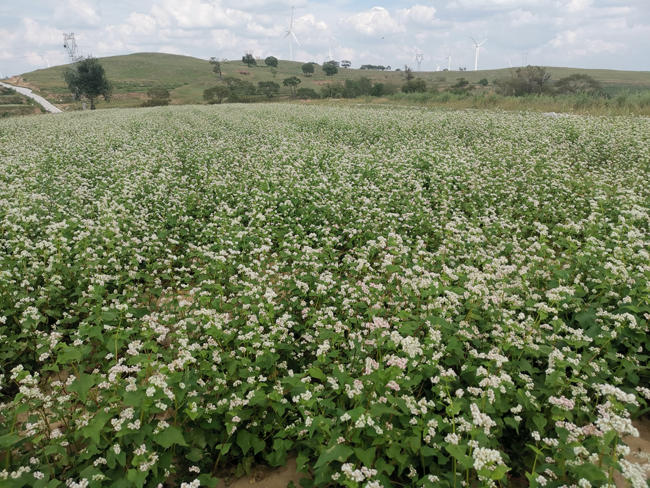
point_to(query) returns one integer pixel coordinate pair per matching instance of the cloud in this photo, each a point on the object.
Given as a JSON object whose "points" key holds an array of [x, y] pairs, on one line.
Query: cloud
{"points": [[77, 13], [193, 14], [371, 22], [571, 44], [418, 15], [575, 5]]}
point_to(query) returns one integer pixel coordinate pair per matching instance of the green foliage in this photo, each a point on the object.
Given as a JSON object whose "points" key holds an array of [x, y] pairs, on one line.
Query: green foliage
{"points": [[330, 68], [461, 87], [86, 79], [268, 88], [417, 85], [271, 61], [216, 94], [386, 294], [217, 64], [332, 90], [483, 82], [274, 72], [156, 102], [526, 81], [158, 93], [578, 83], [249, 60], [308, 69], [307, 93], [292, 82]]}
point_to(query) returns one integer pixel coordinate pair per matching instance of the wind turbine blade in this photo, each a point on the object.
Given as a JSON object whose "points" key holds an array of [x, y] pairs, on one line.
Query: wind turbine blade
{"points": [[294, 36], [482, 43], [288, 33], [472, 39], [291, 25]]}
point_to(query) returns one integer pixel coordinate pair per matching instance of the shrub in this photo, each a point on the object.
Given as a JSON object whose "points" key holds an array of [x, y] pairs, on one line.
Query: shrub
{"points": [[307, 93]]}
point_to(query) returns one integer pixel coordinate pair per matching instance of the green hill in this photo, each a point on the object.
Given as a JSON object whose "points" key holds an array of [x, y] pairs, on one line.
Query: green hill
{"points": [[186, 77]]}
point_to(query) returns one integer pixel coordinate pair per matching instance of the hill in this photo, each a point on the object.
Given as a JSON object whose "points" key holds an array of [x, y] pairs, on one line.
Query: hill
{"points": [[186, 77]]}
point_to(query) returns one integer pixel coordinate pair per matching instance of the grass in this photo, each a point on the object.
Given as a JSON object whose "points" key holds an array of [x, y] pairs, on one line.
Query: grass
{"points": [[186, 78]]}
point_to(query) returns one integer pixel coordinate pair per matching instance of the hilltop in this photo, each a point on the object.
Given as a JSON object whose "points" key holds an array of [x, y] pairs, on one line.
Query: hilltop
{"points": [[186, 77]]}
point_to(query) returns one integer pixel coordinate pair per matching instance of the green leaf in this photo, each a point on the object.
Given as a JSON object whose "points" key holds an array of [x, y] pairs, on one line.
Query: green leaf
{"points": [[499, 473], [170, 436], [339, 452], [458, 454], [317, 373], [367, 456], [244, 441], [207, 480], [81, 385]]}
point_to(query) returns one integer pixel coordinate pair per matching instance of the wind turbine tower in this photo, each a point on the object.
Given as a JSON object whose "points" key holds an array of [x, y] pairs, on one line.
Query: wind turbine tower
{"points": [[290, 33], [418, 59], [329, 54], [70, 46], [478, 46]]}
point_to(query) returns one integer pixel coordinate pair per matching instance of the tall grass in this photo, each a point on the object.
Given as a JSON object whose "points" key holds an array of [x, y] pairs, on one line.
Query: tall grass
{"points": [[624, 103]]}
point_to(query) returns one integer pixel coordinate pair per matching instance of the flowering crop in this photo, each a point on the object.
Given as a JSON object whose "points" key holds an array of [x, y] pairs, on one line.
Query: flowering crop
{"points": [[395, 297]]}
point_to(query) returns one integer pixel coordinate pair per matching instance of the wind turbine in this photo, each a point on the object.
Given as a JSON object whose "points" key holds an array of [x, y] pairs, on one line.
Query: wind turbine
{"points": [[290, 33], [437, 66], [448, 58], [329, 54], [477, 50]]}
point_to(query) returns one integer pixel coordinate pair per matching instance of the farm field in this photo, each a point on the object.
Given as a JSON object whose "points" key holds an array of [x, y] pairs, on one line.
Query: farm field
{"points": [[382, 296]]}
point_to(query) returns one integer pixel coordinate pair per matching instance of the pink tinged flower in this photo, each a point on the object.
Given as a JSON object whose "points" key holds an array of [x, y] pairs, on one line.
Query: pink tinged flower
{"points": [[393, 385]]}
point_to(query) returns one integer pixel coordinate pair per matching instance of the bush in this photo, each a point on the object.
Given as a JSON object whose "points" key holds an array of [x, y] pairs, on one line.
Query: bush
{"points": [[332, 90], [308, 69], [416, 85], [268, 88], [155, 102], [307, 93], [216, 94], [330, 68], [483, 82], [526, 81], [271, 61], [578, 83]]}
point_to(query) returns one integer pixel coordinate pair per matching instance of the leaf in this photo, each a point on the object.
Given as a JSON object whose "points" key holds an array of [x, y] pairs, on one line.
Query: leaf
{"points": [[339, 452], [366, 456], [81, 385], [317, 373], [244, 441], [207, 480], [499, 473], [458, 454], [170, 436]]}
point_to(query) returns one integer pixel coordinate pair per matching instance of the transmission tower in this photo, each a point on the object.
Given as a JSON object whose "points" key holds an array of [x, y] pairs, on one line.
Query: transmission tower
{"points": [[70, 46], [419, 58]]}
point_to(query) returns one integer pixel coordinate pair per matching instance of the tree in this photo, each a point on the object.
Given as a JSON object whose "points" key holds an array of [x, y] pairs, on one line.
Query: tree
{"points": [[408, 73], [216, 94], [268, 88], [483, 82], [332, 90], [87, 79], [217, 65], [365, 85], [377, 90], [526, 81], [351, 89], [345, 63], [308, 69], [274, 72], [415, 86], [158, 93], [271, 62], [330, 68], [292, 82], [158, 96], [461, 87], [306, 93], [249, 60], [578, 83]]}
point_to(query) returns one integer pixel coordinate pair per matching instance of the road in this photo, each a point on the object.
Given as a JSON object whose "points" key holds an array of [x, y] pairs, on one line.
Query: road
{"points": [[28, 93]]}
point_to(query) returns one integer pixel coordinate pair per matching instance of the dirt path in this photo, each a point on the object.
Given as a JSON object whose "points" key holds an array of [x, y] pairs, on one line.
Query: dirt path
{"points": [[28, 93]]}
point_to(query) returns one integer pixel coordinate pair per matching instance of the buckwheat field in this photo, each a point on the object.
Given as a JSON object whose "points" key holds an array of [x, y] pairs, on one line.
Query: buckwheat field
{"points": [[393, 297]]}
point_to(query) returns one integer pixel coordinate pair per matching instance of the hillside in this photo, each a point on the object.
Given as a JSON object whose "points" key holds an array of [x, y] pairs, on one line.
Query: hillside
{"points": [[13, 103], [186, 77]]}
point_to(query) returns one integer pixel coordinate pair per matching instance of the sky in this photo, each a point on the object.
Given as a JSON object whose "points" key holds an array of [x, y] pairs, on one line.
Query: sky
{"points": [[603, 34]]}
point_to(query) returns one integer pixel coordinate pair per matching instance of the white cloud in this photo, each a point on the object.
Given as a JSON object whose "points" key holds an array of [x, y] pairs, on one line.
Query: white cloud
{"points": [[192, 14], [418, 15], [371, 22], [575, 5], [77, 13]]}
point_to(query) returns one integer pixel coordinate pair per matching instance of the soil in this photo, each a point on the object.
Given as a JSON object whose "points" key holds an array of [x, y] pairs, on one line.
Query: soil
{"points": [[639, 449], [18, 81], [265, 477]]}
